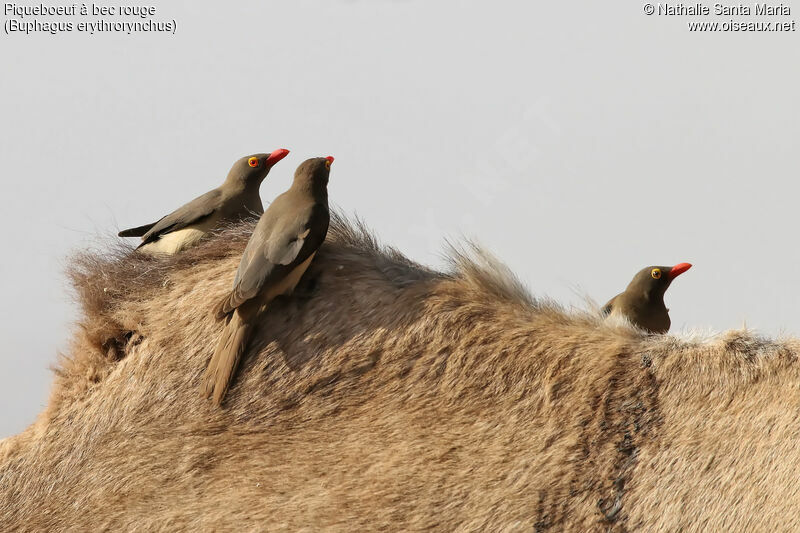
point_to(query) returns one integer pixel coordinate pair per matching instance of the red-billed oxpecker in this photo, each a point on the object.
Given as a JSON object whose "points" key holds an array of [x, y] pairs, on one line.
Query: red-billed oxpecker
{"points": [[235, 199], [282, 246], [642, 303]]}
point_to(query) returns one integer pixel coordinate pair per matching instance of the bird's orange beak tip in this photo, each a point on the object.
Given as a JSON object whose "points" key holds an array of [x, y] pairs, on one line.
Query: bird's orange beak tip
{"points": [[679, 269], [277, 155]]}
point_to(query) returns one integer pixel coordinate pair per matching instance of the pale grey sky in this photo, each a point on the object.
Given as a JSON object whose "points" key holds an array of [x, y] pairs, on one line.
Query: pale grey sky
{"points": [[578, 141]]}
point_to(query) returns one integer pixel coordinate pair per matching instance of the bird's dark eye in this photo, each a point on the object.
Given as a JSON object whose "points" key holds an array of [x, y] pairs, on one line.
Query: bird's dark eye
{"points": [[253, 162], [656, 273]]}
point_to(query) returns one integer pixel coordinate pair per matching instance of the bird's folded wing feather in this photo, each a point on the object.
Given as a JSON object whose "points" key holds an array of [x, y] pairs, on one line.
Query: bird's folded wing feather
{"points": [[136, 232], [191, 213], [269, 256], [609, 306]]}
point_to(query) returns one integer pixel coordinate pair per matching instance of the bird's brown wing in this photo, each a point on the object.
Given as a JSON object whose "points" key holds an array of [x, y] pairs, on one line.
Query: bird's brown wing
{"points": [[136, 232], [609, 306], [271, 255], [191, 213]]}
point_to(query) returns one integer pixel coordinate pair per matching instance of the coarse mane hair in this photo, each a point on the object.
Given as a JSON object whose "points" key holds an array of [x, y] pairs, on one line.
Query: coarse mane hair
{"points": [[386, 395]]}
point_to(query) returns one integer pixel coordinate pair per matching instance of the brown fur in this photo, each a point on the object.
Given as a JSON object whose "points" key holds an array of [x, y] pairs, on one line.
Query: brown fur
{"points": [[385, 396]]}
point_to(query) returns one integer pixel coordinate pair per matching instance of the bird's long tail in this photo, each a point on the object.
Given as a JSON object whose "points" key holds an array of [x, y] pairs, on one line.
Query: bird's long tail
{"points": [[230, 348]]}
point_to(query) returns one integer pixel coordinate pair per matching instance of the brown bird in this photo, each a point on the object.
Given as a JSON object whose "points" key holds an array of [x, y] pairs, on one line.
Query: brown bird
{"points": [[282, 246], [233, 200], [642, 303]]}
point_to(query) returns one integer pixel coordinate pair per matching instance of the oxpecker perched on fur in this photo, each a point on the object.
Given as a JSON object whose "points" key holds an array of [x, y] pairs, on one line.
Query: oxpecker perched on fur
{"points": [[235, 199], [642, 303], [282, 246]]}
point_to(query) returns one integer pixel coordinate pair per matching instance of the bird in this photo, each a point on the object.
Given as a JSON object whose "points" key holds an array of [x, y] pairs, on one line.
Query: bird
{"points": [[642, 302], [282, 245], [235, 199]]}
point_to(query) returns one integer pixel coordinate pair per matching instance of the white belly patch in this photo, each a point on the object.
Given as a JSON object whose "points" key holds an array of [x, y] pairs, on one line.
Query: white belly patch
{"points": [[174, 242]]}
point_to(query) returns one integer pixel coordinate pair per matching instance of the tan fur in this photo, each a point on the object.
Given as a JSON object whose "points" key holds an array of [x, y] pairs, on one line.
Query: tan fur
{"points": [[385, 396]]}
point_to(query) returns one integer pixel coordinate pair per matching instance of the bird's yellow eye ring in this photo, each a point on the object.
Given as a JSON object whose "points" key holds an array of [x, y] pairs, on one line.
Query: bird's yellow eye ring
{"points": [[656, 273], [253, 162]]}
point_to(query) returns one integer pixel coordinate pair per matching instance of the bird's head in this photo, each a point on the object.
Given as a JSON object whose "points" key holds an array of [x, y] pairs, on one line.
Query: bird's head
{"points": [[314, 172], [653, 281], [252, 169]]}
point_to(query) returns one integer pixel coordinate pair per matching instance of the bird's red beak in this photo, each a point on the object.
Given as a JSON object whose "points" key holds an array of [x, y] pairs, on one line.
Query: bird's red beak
{"points": [[329, 159], [679, 269], [277, 155]]}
